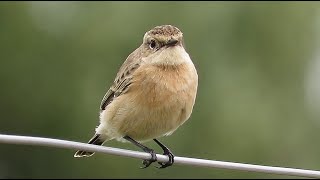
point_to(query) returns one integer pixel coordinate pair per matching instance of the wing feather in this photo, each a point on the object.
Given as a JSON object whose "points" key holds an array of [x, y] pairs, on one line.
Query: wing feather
{"points": [[122, 80]]}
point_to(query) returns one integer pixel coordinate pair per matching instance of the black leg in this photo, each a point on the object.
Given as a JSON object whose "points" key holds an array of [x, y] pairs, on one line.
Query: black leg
{"points": [[146, 163], [167, 152]]}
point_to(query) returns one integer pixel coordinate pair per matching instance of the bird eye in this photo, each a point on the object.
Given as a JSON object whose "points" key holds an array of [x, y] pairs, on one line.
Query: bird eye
{"points": [[152, 44]]}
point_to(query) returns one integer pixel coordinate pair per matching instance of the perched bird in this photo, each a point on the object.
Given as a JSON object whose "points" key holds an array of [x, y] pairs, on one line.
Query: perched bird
{"points": [[152, 95]]}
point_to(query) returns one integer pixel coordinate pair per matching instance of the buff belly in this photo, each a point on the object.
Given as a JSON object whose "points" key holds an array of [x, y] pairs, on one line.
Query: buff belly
{"points": [[143, 123], [154, 107]]}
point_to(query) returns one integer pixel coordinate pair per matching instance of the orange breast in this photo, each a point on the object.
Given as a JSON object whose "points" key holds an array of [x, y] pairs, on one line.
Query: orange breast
{"points": [[158, 101], [159, 85]]}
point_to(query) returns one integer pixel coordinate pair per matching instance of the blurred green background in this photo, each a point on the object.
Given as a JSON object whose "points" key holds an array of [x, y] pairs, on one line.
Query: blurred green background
{"points": [[258, 100]]}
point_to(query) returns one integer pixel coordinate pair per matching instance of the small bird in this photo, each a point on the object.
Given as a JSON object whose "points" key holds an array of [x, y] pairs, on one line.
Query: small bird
{"points": [[152, 95]]}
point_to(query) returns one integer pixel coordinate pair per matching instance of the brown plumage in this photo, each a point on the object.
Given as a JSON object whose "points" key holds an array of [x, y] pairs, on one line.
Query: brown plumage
{"points": [[152, 95]]}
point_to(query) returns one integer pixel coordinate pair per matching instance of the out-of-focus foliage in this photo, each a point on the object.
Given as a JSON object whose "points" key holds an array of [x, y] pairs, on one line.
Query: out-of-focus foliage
{"points": [[259, 87]]}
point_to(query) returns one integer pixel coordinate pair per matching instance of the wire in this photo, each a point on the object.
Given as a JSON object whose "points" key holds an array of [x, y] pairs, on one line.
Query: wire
{"points": [[57, 143]]}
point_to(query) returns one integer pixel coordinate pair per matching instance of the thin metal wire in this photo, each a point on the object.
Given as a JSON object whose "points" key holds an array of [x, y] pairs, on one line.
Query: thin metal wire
{"points": [[57, 143]]}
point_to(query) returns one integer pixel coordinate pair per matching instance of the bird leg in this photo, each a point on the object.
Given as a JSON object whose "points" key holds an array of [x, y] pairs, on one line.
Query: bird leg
{"points": [[167, 152], [146, 163]]}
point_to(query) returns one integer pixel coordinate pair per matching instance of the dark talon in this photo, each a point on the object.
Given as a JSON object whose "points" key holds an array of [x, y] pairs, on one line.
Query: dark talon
{"points": [[167, 152], [147, 163], [170, 162]]}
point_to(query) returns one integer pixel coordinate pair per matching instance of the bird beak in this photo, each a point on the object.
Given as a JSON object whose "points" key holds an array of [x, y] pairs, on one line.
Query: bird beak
{"points": [[172, 42]]}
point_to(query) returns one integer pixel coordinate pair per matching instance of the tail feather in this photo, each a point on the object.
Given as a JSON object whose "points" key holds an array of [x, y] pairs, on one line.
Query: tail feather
{"points": [[97, 140]]}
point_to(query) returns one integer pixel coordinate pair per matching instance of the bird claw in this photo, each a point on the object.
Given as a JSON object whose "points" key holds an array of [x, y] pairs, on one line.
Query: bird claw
{"points": [[147, 163], [169, 163]]}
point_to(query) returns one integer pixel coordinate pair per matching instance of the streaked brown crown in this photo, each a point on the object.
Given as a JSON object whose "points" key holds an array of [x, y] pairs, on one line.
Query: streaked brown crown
{"points": [[165, 30], [163, 33]]}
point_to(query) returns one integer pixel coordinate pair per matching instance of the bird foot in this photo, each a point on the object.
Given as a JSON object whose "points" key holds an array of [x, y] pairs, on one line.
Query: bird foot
{"points": [[147, 163], [170, 162]]}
